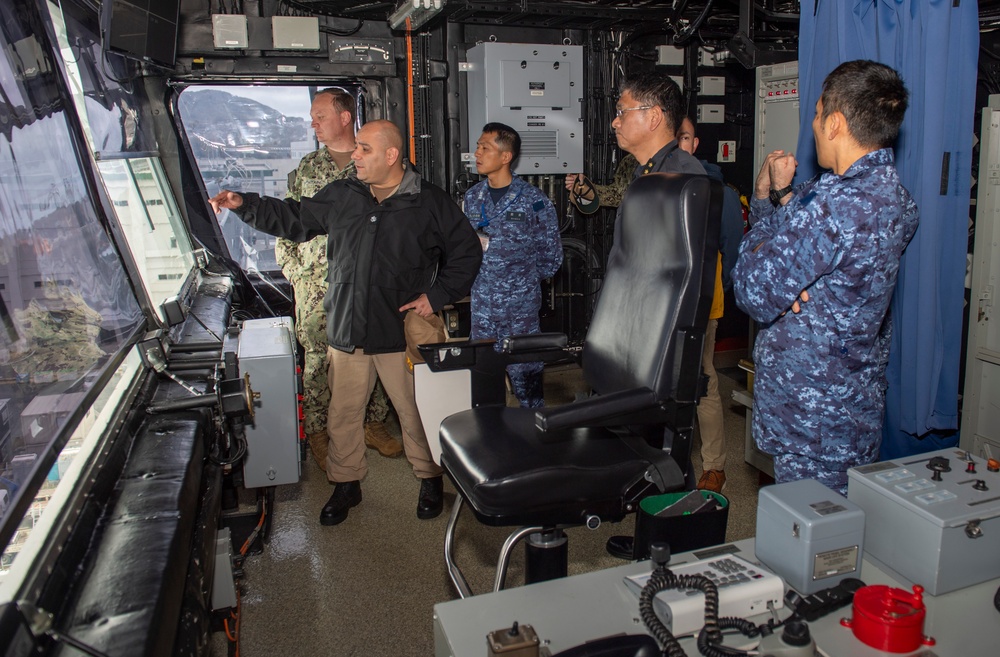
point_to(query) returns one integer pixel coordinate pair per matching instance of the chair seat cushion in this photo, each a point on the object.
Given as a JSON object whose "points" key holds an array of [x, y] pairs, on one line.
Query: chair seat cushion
{"points": [[511, 473]]}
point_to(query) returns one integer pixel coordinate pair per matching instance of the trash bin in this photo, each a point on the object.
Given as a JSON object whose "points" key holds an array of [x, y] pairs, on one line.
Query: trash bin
{"points": [[685, 532]]}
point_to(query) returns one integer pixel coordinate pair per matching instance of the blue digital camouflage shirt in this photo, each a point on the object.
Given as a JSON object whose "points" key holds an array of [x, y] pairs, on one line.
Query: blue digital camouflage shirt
{"points": [[819, 384], [523, 248]]}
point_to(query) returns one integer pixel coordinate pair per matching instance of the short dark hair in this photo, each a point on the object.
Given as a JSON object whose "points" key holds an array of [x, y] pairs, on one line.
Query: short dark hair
{"points": [[871, 96], [659, 90], [342, 101], [507, 138]]}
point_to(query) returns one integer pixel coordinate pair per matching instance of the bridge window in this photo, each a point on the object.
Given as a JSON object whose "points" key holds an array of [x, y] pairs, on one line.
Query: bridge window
{"points": [[247, 139]]}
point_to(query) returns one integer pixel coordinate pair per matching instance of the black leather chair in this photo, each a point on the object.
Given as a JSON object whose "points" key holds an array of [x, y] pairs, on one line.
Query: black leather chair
{"points": [[591, 461]]}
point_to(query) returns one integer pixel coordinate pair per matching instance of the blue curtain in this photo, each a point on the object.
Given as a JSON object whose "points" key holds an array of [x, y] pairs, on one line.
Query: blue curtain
{"points": [[934, 44]]}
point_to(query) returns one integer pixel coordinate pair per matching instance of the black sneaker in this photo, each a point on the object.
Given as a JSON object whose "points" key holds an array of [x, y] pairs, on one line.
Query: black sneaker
{"points": [[346, 494], [431, 500]]}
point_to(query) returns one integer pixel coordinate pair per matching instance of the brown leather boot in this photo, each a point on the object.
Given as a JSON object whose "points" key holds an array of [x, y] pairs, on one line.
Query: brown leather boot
{"points": [[376, 436], [318, 445]]}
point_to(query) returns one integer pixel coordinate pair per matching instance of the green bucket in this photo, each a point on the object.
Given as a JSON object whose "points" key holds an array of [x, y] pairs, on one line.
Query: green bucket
{"points": [[685, 532]]}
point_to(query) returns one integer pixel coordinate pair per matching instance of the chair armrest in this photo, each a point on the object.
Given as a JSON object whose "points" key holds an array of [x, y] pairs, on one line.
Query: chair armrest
{"points": [[457, 355], [595, 409], [538, 348], [516, 344], [466, 354]]}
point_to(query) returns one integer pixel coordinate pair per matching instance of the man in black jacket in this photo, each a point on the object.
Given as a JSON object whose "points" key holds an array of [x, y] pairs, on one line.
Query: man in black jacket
{"points": [[396, 244]]}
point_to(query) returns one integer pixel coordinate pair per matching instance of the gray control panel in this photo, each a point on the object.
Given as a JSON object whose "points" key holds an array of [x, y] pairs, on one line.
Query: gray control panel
{"points": [[933, 519]]}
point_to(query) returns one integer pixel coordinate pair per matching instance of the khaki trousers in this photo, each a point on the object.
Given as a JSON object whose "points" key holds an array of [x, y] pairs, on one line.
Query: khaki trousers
{"points": [[713, 437], [352, 377]]}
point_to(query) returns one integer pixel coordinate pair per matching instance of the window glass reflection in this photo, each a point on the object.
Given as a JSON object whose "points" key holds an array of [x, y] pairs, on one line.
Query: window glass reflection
{"points": [[247, 139], [151, 224], [64, 475], [66, 305]]}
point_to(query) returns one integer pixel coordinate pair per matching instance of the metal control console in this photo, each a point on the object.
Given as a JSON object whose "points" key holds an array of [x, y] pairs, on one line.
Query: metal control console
{"points": [[933, 519], [267, 354]]}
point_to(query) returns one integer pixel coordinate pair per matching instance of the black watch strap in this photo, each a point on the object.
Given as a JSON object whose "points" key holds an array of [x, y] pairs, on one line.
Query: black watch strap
{"points": [[777, 194]]}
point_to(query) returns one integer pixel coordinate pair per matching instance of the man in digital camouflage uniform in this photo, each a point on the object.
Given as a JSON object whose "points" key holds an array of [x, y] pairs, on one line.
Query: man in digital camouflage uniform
{"points": [[305, 267], [519, 231], [828, 251]]}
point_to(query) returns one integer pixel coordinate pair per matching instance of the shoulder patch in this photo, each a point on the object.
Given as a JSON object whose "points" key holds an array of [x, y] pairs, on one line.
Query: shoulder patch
{"points": [[538, 205]]}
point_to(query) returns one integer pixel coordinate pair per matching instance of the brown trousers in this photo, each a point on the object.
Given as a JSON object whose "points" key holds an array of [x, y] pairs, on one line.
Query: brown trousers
{"points": [[351, 377], [713, 436]]}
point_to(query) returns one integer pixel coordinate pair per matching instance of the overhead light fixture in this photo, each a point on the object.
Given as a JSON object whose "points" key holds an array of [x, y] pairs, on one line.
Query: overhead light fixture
{"points": [[418, 11]]}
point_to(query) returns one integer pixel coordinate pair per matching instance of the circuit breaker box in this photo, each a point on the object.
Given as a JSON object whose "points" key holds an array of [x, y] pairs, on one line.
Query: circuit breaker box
{"points": [[776, 116], [267, 353], [537, 89]]}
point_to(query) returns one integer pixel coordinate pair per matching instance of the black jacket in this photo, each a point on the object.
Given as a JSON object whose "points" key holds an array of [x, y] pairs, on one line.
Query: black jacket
{"points": [[381, 255]]}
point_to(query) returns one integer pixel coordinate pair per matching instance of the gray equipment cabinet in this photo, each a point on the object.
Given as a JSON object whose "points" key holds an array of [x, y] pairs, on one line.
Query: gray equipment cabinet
{"points": [[980, 429], [267, 354]]}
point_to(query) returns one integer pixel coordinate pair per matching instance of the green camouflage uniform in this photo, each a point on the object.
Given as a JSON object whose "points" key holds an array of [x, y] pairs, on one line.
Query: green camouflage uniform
{"points": [[305, 267], [610, 195]]}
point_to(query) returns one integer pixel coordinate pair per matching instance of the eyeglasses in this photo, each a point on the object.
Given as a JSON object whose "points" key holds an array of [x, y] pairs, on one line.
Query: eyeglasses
{"points": [[619, 112]]}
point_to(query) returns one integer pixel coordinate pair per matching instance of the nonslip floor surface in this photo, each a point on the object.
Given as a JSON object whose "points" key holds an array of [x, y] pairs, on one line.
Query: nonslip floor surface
{"points": [[368, 586]]}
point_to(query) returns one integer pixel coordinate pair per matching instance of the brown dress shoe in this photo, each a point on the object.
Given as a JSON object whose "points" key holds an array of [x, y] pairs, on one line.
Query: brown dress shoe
{"points": [[318, 443], [713, 480], [376, 436]]}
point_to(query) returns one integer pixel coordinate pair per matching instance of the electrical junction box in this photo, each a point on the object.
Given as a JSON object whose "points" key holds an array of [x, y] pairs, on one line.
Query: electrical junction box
{"points": [[267, 353], [537, 89], [711, 114], [669, 56], [809, 534], [229, 31], [295, 32], [711, 85], [679, 79], [932, 519]]}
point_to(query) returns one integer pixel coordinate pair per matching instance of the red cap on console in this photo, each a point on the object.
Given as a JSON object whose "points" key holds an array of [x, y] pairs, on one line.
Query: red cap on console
{"points": [[889, 619]]}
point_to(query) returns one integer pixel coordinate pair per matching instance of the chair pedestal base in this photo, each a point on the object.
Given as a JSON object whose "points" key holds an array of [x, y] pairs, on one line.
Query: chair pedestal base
{"points": [[546, 556]]}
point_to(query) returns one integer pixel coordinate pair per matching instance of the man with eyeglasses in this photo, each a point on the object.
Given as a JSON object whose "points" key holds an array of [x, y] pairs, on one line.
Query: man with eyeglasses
{"points": [[648, 117]]}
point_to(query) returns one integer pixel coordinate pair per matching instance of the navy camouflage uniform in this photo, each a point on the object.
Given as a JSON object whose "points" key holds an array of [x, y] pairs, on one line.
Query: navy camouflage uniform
{"points": [[819, 384], [524, 247]]}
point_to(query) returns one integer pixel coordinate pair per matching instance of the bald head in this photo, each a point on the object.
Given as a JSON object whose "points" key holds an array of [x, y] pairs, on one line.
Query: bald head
{"points": [[383, 132], [378, 156]]}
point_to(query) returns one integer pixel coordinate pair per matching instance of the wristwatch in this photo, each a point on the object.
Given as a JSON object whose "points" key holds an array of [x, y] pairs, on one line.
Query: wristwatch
{"points": [[777, 194]]}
